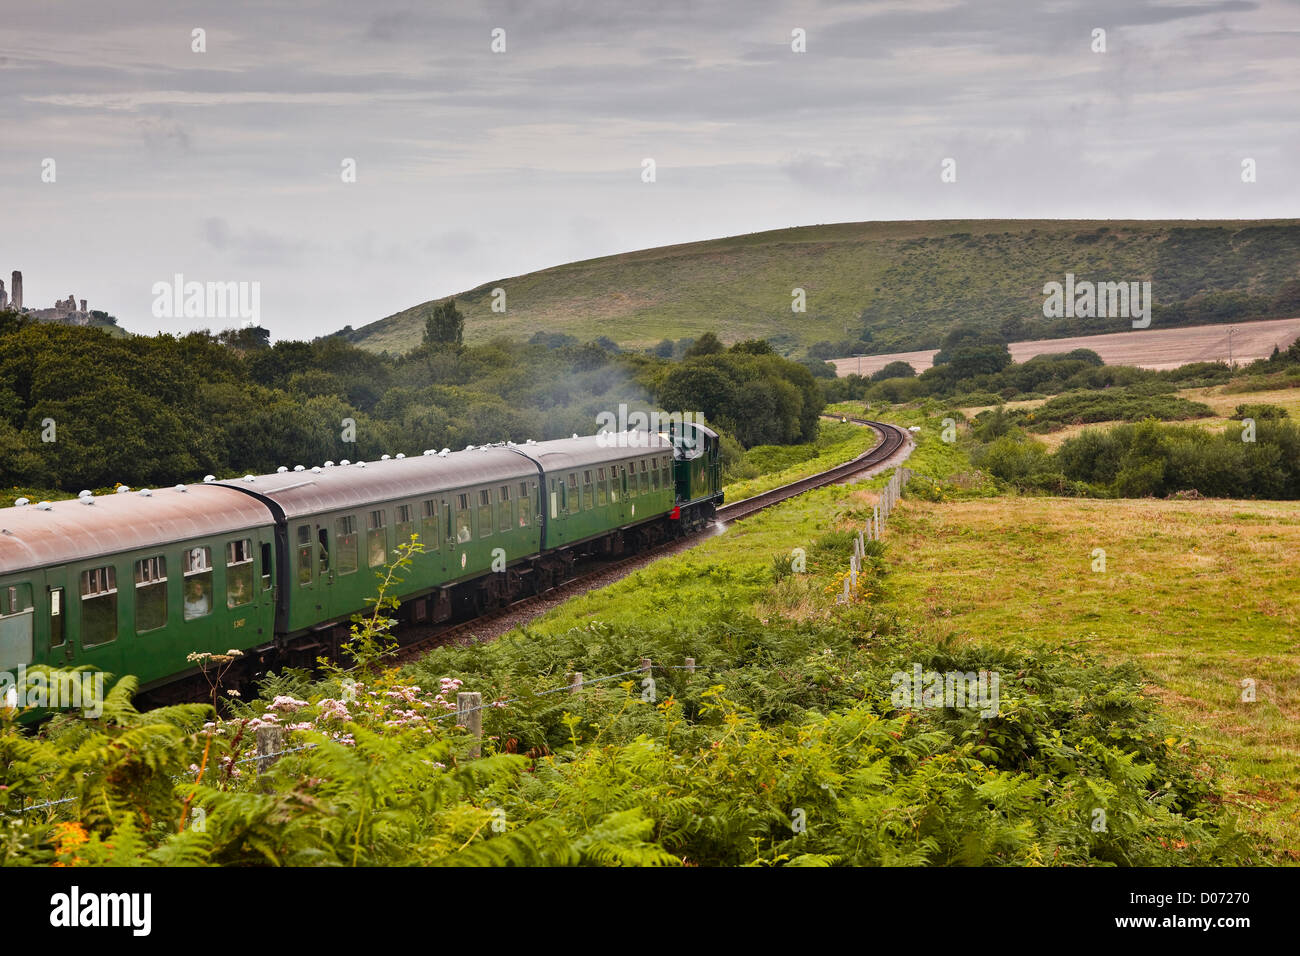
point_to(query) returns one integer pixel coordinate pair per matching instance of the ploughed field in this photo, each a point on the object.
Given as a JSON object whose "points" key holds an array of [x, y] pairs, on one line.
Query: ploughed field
{"points": [[1145, 348]]}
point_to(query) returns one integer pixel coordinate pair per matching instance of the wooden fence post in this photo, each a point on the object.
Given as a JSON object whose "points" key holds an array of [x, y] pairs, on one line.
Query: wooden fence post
{"points": [[469, 714], [645, 665], [575, 682], [690, 665], [269, 737]]}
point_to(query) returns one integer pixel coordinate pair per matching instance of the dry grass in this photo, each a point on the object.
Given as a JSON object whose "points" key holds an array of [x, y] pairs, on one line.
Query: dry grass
{"points": [[1199, 593]]}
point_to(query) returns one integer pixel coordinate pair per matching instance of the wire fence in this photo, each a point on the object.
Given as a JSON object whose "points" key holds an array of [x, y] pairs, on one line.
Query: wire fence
{"points": [[890, 495]]}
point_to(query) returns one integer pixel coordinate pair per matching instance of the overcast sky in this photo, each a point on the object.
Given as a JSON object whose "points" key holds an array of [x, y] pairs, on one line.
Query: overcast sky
{"points": [[472, 165]]}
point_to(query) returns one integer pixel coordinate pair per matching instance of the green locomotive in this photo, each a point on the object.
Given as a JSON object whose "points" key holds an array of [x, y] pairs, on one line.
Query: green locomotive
{"points": [[276, 565]]}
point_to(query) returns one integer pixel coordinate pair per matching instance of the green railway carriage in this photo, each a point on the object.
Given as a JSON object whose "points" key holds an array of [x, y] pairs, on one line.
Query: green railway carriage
{"points": [[276, 565], [474, 512], [602, 484], [135, 582]]}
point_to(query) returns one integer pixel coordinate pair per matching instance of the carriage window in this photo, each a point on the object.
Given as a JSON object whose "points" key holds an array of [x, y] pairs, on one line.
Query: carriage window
{"points": [[588, 495], [463, 532], [239, 573], [198, 580], [405, 524], [525, 505], [629, 475], [98, 606], [15, 599], [429, 524], [266, 567], [602, 490], [554, 507], [654, 475], [16, 616], [150, 594], [614, 489], [645, 479], [574, 502], [57, 633], [484, 512], [304, 556], [376, 539], [345, 542], [504, 510], [323, 539]]}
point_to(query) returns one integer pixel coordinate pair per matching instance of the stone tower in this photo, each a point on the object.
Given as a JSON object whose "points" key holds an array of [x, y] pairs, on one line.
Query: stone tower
{"points": [[18, 289], [4, 296]]}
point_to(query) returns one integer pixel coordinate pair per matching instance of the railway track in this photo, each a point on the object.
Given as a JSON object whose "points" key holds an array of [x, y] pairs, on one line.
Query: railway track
{"points": [[495, 622]]}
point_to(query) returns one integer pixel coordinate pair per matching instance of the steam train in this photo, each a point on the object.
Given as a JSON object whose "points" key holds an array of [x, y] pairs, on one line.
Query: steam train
{"points": [[276, 565]]}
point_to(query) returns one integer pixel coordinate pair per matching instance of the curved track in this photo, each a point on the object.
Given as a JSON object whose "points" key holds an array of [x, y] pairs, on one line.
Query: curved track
{"points": [[495, 622]]}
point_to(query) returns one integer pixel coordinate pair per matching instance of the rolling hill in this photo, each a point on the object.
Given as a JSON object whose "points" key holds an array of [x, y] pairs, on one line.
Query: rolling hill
{"points": [[898, 285]]}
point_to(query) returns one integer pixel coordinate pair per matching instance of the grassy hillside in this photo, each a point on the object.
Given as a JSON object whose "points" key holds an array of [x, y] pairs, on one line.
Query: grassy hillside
{"points": [[904, 283]]}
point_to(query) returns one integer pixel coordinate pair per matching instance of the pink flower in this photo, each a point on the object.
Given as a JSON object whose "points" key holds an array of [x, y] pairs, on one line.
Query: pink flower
{"points": [[284, 702]]}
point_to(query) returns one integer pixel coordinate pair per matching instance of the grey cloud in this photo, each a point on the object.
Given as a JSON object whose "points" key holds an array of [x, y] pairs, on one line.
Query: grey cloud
{"points": [[475, 166]]}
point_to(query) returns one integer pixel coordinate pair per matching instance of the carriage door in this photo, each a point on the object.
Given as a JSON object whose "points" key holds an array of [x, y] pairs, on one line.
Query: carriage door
{"points": [[59, 643], [304, 564]]}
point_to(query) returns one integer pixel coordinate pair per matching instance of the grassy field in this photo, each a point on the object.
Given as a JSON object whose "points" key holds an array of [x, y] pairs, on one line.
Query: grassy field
{"points": [[776, 465], [908, 282], [1200, 593]]}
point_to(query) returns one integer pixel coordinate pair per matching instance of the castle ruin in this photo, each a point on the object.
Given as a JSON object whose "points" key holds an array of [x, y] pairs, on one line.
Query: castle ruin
{"points": [[67, 310]]}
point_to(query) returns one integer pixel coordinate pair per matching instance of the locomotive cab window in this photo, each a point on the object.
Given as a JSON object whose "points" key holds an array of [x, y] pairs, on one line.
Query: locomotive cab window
{"points": [[16, 615], [198, 582], [345, 542], [376, 539], [150, 594], [98, 606], [239, 572]]}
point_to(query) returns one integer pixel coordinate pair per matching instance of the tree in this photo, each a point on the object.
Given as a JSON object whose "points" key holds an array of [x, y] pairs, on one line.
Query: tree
{"points": [[444, 326], [706, 344], [894, 370], [754, 347], [962, 337], [246, 339]]}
